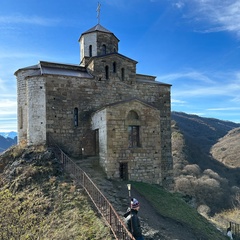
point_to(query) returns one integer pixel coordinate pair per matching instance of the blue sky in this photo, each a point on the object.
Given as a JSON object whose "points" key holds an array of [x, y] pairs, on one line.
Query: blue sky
{"points": [[192, 44]]}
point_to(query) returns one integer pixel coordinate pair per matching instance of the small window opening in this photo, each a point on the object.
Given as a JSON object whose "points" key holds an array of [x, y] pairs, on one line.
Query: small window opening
{"points": [[123, 171], [104, 49], [114, 67], [106, 72], [75, 117], [122, 74], [90, 51]]}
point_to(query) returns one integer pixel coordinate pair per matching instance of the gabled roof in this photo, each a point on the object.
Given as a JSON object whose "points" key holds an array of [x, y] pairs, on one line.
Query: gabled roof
{"points": [[98, 28], [126, 101]]}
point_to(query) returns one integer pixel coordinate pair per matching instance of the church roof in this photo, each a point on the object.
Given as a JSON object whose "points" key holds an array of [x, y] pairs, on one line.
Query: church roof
{"points": [[98, 28], [61, 69]]}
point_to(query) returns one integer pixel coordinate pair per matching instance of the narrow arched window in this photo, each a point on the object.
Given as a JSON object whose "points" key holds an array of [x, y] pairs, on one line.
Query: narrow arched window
{"points": [[114, 67], [133, 130], [90, 51], [122, 74], [106, 72], [104, 49], [75, 117], [133, 136]]}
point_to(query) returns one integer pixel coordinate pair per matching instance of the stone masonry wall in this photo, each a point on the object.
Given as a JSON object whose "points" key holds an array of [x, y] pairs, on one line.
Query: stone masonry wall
{"points": [[23, 105], [144, 162], [97, 68], [89, 39], [66, 93], [107, 39], [36, 110]]}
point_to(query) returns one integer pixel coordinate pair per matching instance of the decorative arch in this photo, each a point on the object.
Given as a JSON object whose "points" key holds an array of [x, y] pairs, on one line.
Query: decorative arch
{"points": [[133, 129], [132, 115]]}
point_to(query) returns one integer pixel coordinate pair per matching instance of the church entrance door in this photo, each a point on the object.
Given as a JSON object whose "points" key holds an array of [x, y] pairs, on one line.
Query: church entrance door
{"points": [[123, 171]]}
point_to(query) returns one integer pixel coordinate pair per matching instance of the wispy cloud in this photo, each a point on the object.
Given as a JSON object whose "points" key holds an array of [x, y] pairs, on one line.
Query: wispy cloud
{"points": [[177, 101], [221, 15], [33, 20], [179, 4], [8, 107], [191, 75], [190, 89], [224, 109]]}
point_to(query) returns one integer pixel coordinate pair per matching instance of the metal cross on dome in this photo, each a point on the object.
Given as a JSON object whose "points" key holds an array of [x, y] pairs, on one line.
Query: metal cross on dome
{"points": [[98, 12]]}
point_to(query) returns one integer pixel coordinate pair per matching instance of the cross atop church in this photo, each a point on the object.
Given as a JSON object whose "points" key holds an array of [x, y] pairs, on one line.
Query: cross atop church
{"points": [[98, 12]]}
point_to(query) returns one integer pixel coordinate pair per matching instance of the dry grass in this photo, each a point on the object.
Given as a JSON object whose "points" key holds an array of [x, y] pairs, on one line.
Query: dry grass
{"points": [[39, 202]]}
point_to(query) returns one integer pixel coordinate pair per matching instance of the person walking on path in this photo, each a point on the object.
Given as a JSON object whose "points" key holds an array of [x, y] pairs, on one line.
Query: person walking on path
{"points": [[133, 222], [229, 233]]}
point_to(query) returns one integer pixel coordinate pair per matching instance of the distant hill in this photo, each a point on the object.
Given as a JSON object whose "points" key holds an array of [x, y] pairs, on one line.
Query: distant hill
{"points": [[201, 134], [206, 159], [227, 150], [5, 143]]}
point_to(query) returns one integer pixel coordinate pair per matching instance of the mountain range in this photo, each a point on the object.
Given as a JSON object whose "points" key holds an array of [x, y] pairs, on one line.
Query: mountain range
{"points": [[11, 134], [7, 139]]}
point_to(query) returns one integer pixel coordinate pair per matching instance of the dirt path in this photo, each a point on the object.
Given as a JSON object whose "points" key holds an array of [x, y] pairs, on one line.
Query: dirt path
{"points": [[154, 225]]}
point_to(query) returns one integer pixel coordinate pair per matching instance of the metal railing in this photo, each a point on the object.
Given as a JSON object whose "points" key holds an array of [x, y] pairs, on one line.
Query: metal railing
{"points": [[104, 207]]}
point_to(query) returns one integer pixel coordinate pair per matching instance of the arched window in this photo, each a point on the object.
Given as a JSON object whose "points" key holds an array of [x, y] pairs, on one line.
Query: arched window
{"points": [[90, 51], [133, 130], [122, 74], [106, 72], [75, 117], [104, 49], [114, 67]]}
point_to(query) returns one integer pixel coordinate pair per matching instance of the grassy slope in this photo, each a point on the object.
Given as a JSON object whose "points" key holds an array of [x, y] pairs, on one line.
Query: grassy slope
{"points": [[170, 205], [37, 201]]}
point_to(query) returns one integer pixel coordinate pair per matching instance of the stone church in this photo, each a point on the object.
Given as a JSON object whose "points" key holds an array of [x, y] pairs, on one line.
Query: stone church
{"points": [[100, 107]]}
